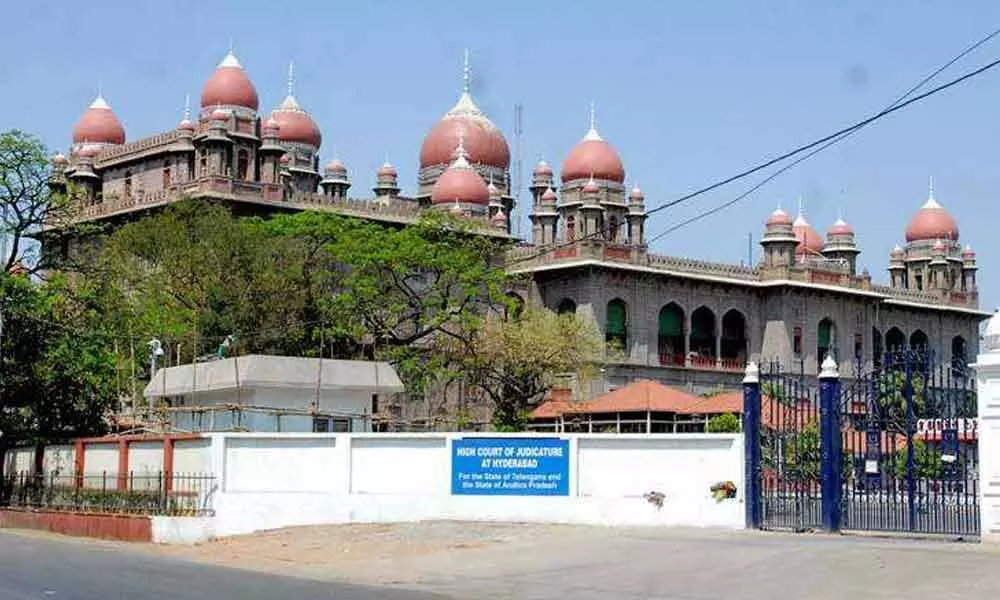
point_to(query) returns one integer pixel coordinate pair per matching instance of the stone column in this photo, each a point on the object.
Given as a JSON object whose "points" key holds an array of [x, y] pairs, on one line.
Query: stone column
{"points": [[988, 393]]}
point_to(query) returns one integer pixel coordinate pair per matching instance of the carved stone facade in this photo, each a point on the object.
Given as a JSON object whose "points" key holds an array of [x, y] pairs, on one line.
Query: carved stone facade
{"points": [[680, 320]]}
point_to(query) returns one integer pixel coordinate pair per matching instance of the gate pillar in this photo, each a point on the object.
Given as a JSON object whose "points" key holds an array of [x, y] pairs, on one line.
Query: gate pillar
{"points": [[751, 446], [831, 444], [988, 397]]}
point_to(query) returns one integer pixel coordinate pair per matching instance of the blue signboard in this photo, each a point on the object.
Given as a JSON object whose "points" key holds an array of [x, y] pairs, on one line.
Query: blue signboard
{"points": [[510, 467]]}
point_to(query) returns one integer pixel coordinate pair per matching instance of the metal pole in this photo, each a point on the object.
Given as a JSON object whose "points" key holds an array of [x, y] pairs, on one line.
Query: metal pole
{"points": [[830, 444], [751, 445]]}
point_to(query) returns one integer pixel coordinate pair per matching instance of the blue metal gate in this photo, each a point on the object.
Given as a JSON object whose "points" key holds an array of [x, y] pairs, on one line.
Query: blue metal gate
{"points": [[789, 452], [893, 450], [910, 448]]}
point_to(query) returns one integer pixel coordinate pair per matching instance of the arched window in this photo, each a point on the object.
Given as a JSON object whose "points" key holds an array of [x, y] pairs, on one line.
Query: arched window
{"points": [[702, 338], [895, 340], [918, 340], [959, 359], [670, 341], [570, 228], [242, 164], [514, 307], [826, 341], [613, 228], [616, 327], [733, 346], [566, 306], [128, 184], [166, 175], [877, 349]]}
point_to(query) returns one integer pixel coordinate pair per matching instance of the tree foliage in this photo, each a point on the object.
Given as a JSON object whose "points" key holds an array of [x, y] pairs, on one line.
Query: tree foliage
{"points": [[57, 367], [724, 423], [927, 462], [515, 360], [27, 202]]}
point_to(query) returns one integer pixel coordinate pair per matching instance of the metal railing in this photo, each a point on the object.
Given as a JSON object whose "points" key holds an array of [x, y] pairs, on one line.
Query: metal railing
{"points": [[148, 493]]}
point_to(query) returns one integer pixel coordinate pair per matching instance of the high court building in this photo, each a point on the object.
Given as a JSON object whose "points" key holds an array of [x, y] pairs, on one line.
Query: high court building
{"points": [[679, 320]]}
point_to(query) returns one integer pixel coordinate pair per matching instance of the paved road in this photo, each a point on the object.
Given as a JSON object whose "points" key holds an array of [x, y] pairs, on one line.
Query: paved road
{"points": [[52, 570]]}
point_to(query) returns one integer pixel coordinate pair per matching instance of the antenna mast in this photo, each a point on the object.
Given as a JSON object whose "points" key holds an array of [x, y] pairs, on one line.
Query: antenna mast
{"points": [[518, 166]]}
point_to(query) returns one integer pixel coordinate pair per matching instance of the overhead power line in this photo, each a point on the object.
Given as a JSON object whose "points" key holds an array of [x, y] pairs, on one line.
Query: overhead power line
{"points": [[772, 161], [829, 143]]}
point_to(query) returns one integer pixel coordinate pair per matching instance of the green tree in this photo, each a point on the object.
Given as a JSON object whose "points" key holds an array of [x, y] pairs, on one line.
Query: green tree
{"points": [[724, 423], [194, 274], [414, 295], [926, 460], [513, 361], [894, 398], [57, 367], [803, 455], [27, 203]]}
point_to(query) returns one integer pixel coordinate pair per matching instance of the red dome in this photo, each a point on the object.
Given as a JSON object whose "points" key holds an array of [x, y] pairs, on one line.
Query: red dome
{"points": [[99, 125], [593, 156], [591, 186], [932, 222], [229, 86], [840, 227], [810, 242], [939, 246], [335, 166], [460, 183], [285, 159], [543, 169], [779, 217], [387, 170], [272, 124], [483, 142], [59, 160], [549, 194], [296, 125], [186, 125], [968, 252], [636, 193], [219, 114]]}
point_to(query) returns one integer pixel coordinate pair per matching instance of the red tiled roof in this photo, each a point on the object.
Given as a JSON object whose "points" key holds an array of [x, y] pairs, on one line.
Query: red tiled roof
{"points": [[725, 402], [640, 396]]}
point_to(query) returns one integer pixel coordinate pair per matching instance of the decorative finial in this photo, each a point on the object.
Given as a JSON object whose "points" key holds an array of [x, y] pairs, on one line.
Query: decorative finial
{"points": [[801, 207], [466, 74], [100, 89], [230, 45], [593, 116], [291, 76], [187, 107], [930, 188]]}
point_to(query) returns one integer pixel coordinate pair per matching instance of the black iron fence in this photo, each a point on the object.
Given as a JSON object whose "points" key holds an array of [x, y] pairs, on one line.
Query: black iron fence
{"points": [[170, 494]]}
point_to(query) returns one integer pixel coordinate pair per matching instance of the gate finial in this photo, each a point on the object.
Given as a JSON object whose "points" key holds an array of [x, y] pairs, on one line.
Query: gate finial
{"points": [[752, 373], [828, 370]]}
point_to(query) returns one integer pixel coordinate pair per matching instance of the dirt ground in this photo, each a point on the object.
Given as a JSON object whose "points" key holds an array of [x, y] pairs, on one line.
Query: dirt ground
{"points": [[375, 553]]}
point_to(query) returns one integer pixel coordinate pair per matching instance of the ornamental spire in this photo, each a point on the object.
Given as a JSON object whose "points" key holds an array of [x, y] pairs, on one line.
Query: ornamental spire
{"points": [[187, 107], [592, 132], [291, 77], [466, 74]]}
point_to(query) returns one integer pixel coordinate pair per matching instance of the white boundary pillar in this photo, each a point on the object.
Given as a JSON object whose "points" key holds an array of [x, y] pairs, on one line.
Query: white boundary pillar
{"points": [[988, 395]]}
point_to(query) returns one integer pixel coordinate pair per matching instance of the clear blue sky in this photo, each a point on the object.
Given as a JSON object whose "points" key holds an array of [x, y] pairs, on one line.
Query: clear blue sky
{"points": [[687, 91]]}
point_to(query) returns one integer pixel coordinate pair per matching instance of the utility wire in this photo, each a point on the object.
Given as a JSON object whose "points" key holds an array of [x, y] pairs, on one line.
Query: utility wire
{"points": [[827, 144], [782, 157]]}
